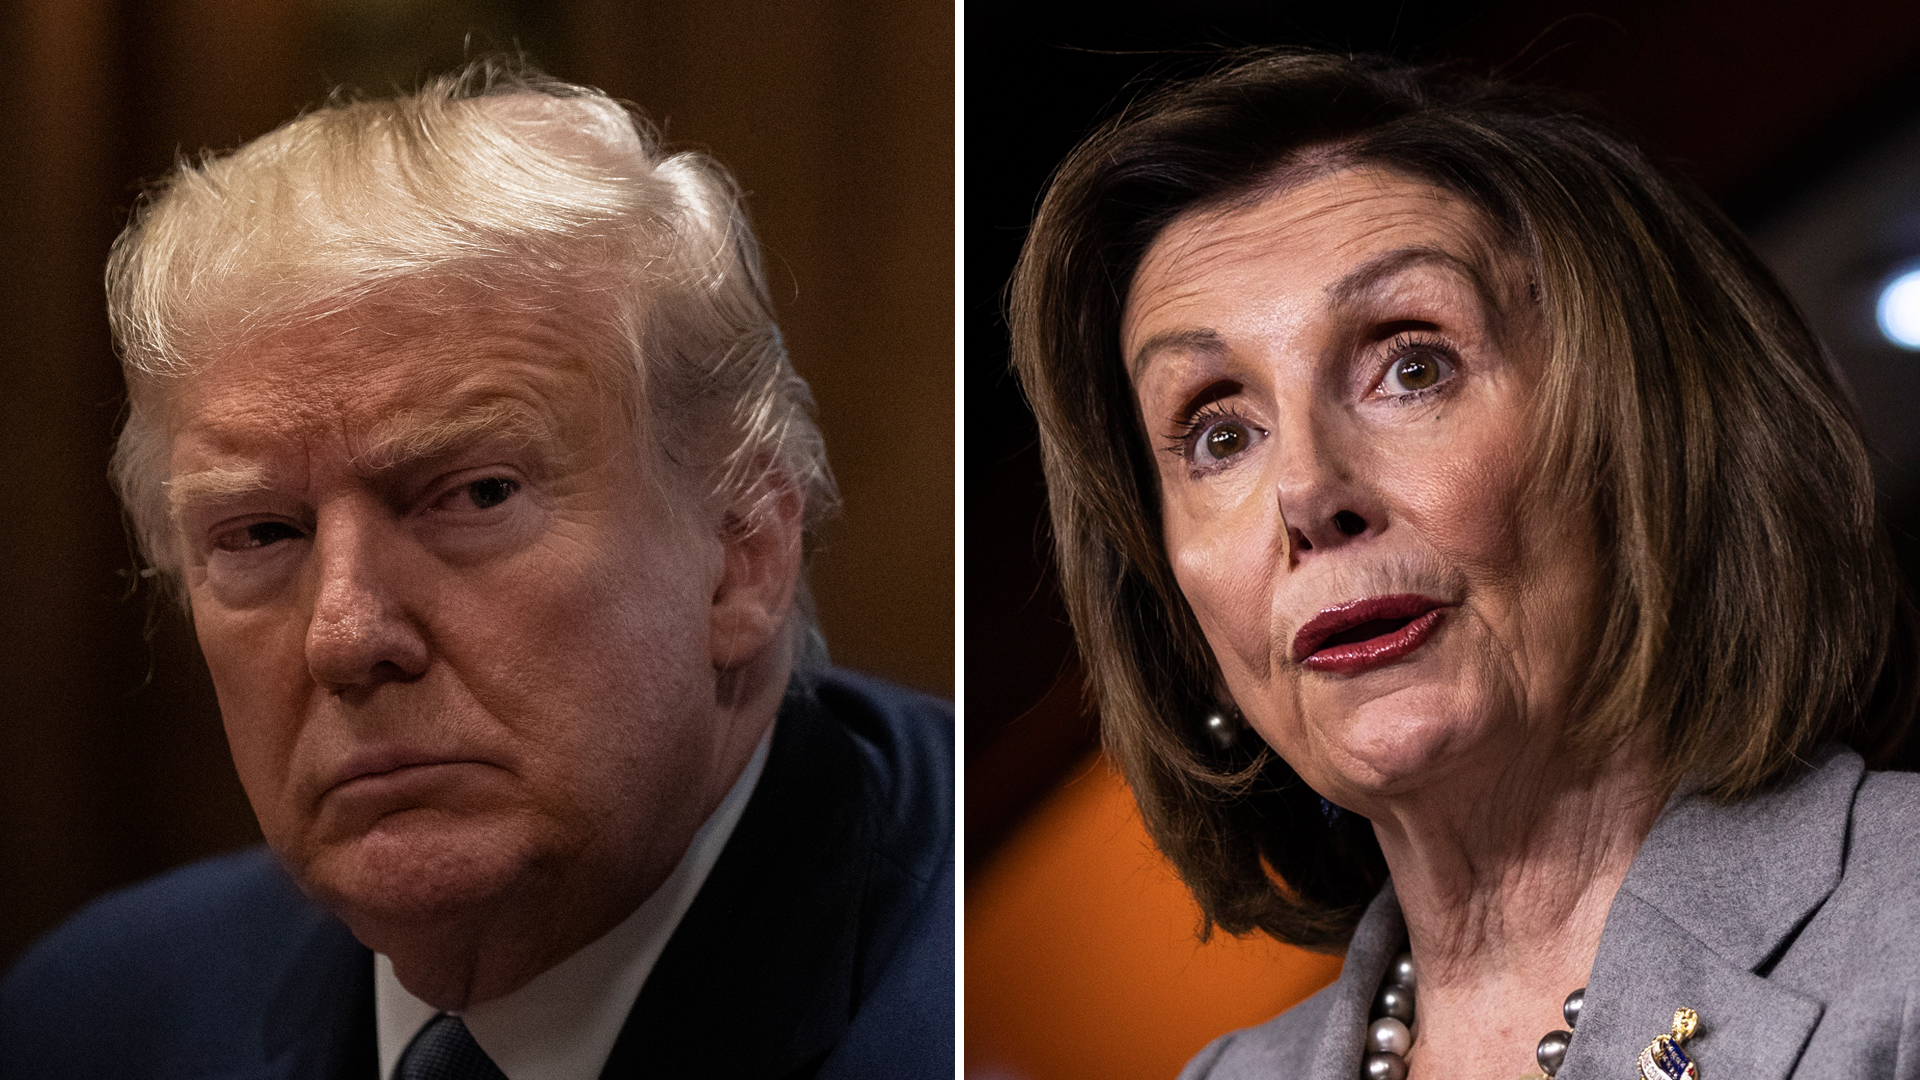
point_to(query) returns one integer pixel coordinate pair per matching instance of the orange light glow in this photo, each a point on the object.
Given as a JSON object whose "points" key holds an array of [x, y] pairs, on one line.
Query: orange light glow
{"points": [[1082, 959]]}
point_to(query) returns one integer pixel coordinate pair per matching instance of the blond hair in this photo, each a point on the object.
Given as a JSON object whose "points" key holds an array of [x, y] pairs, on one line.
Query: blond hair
{"points": [[536, 192]]}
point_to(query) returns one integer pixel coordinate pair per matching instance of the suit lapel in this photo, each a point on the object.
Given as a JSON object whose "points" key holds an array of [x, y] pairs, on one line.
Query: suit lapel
{"points": [[769, 945], [1714, 896], [319, 1024]]}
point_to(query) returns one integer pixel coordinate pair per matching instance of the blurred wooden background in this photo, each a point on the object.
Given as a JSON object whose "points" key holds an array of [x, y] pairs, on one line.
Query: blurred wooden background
{"points": [[836, 117]]}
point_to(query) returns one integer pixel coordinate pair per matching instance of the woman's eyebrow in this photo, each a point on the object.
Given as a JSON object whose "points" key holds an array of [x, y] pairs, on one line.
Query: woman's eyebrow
{"points": [[1349, 291], [1356, 284], [1201, 340]]}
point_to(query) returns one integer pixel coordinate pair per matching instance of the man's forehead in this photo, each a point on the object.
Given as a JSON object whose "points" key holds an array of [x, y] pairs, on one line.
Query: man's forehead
{"points": [[375, 387], [365, 401], [385, 365], [386, 421]]}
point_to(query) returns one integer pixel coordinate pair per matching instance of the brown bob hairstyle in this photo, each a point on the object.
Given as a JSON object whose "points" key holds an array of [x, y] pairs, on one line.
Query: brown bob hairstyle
{"points": [[1752, 607]]}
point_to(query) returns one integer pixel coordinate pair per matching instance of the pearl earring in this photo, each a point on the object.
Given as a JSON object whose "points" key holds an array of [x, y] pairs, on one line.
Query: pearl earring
{"points": [[1224, 727]]}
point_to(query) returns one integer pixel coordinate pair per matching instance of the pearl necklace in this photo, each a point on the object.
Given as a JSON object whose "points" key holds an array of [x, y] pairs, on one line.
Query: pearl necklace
{"points": [[1390, 1035]]}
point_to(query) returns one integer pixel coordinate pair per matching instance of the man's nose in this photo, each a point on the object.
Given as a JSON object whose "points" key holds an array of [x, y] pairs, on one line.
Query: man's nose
{"points": [[361, 634], [1325, 498]]}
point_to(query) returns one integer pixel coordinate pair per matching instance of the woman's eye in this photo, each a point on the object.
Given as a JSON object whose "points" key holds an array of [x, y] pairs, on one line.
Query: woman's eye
{"points": [[1415, 372], [1214, 441], [257, 535], [1225, 439], [485, 494]]}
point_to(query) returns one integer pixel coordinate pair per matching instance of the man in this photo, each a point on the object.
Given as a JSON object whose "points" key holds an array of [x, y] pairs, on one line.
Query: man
{"points": [[462, 426]]}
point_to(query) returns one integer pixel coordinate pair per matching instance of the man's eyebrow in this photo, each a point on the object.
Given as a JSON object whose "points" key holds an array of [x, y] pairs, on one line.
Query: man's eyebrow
{"points": [[1369, 275], [406, 437], [419, 434], [213, 484], [1201, 340]]}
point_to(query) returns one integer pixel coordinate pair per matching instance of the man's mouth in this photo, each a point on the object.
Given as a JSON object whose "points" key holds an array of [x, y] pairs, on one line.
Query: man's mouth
{"points": [[1347, 639], [390, 765]]}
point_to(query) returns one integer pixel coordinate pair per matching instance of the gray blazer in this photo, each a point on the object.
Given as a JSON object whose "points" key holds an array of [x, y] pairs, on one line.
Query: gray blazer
{"points": [[1790, 922]]}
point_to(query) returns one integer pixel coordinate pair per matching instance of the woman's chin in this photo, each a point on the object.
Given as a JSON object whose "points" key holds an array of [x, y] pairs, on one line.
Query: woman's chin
{"points": [[1396, 744]]}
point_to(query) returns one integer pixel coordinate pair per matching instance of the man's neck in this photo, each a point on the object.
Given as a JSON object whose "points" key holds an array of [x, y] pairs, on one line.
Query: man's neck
{"points": [[565, 1021], [464, 958]]}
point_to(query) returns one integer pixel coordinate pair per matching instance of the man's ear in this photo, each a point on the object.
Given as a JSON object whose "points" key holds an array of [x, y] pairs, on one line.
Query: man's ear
{"points": [[754, 598]]}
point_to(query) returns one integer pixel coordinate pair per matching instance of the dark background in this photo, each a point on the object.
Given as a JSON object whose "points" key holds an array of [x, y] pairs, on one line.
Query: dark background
{"points": [[837, 117], [1800, 118]]}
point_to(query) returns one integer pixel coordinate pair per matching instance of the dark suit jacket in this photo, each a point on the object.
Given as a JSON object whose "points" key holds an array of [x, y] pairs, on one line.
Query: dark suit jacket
{"points": [[820, 945], [1790, 922]]}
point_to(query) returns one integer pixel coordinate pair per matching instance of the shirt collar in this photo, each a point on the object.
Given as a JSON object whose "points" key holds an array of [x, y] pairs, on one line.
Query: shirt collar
{"points": [[563, 1024]]}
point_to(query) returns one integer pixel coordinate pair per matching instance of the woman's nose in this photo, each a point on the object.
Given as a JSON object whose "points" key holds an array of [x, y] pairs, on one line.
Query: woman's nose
{"points": [[1323, 503], [1310, 534]]}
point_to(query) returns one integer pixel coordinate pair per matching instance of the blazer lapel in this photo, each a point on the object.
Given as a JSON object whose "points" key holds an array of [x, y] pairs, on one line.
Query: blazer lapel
{"points": [[758, 980], [1380, 935], [1714, 896], [1750, 1029]]}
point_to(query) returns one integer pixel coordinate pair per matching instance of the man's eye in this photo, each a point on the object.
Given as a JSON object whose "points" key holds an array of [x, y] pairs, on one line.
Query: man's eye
{"points": [[257, 535], [491, 492]]}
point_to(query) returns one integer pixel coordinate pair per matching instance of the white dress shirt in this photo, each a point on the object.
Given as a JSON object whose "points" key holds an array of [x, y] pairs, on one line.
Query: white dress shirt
{"points": [[563, 1024]]}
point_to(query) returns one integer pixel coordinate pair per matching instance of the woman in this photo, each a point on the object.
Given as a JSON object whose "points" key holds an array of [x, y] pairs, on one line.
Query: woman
{"points": [[1477, 567]]}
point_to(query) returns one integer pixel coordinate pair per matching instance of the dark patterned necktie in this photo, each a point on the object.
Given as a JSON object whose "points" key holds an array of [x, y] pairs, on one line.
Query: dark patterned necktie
{"points": [[445, 1050]]}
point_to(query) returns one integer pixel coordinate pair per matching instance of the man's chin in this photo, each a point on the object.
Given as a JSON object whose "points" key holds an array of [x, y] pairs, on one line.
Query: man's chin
{"points": [[418, 868]]}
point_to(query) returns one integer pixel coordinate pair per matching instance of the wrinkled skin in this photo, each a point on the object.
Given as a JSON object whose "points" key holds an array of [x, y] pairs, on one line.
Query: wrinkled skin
{"points": [[485, 662], [1338, 379]]}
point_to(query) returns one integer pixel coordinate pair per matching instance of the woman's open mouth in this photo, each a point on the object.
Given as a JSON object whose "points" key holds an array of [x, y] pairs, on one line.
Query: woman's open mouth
{"points": [[1347, 639]]}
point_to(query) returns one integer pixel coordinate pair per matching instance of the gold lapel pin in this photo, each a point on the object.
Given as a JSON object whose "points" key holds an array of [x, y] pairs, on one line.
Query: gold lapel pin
{"points": [[1663, 1059]]}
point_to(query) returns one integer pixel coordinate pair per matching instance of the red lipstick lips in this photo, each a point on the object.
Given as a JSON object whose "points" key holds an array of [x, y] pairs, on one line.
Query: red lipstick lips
{"points": [[1347, 639]]}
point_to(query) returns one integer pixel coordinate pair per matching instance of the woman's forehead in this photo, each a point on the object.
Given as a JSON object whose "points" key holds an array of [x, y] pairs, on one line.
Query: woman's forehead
{"points": [[1317, 243]]}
